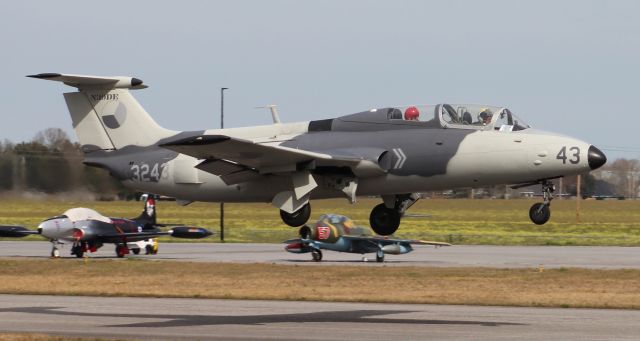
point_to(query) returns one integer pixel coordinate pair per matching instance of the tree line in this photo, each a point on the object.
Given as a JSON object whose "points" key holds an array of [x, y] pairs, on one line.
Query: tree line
{"points": [[51, 163]]}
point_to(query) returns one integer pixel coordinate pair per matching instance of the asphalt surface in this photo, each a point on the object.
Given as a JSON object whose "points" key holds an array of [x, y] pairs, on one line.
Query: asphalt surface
{"points": [[203, 319], [453, 256]]}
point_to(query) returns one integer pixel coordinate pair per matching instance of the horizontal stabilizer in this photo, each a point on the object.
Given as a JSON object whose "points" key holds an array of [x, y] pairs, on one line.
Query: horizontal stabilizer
{"points": [[93, 82]]}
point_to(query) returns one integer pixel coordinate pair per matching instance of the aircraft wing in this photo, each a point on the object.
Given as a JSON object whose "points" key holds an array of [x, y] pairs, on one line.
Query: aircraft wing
{"points": [[387, 241], [16, 231], [224, 155]]}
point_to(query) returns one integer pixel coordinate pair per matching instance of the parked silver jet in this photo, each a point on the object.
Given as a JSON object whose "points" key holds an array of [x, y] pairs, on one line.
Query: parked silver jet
{"points": [[394, 152], [88, 230]]}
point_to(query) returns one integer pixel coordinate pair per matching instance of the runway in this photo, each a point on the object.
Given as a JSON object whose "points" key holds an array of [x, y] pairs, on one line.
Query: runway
{"points": [[598, 257], [203, 319]]}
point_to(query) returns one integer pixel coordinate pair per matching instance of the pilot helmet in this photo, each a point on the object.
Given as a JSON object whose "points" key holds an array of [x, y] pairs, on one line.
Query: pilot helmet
{"points": [[411, 114], [485, 115]]}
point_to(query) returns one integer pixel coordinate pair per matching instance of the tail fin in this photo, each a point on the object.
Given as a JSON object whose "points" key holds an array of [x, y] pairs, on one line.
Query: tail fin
{"points": [[104, 113], [148, 216]]}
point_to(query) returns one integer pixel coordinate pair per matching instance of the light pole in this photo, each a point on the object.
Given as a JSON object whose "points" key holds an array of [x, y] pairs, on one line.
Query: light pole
{"points": [[222, 127]]}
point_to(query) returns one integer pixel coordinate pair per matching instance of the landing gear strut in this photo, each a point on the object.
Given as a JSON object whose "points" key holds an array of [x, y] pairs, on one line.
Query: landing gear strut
{"points": [[385, 218], [380, 256], [540, 212], [316, 255], [297, 218], [55, 252]]}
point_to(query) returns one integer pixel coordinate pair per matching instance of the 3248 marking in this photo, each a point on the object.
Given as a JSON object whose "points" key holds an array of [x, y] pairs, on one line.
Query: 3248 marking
{"points": [[148, 172]]}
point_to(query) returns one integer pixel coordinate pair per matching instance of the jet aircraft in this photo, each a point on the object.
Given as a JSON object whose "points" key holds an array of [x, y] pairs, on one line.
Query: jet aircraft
{"points": [[392, 152], [87, 230], [338, 233]]}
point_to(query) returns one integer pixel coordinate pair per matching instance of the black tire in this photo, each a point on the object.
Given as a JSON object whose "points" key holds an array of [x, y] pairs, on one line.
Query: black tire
{"points": [[316, 255], [539, 213], [380, 256], [55, 253], [78, 251], [119, 251], [297, 218], [384, 221], [136, 251], [148, 250]]}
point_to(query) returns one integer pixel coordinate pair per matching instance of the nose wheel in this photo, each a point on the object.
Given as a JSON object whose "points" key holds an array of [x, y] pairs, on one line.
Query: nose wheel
{"points": [[384, 221], [55, 251], [540, 212], [385, 218]]}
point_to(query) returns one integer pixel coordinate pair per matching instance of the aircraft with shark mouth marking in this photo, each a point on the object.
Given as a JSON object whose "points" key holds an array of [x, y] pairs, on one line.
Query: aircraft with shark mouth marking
{"points": [[392, 152]]}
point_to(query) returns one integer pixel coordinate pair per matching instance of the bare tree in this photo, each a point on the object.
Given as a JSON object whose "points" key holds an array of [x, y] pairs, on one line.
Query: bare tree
{"points": [[53, 138]]}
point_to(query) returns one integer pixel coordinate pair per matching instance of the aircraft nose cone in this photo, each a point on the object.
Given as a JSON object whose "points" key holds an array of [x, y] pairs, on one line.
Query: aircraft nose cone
{"points": [[596, 158]]}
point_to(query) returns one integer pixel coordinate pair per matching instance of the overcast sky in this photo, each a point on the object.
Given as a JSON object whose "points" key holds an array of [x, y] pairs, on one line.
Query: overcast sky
{"points": [[565, 66]]}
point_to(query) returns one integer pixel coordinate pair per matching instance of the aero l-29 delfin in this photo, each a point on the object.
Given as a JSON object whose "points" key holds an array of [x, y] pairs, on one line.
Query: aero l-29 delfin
{"points": [[338, 233], [87, 230], [393, 152]]}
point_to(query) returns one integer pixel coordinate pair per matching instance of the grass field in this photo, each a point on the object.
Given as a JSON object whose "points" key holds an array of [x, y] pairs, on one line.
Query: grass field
{"points": [[460, 221], [475, 286]]}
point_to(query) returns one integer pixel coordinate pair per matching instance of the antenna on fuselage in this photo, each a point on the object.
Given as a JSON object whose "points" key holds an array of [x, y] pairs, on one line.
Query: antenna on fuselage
{"points": [[274, 112]]}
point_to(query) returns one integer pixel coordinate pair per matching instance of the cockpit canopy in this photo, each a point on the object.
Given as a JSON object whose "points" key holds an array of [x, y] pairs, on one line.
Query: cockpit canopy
{"points": [[81, 213], [343, 225], [462, 116]]}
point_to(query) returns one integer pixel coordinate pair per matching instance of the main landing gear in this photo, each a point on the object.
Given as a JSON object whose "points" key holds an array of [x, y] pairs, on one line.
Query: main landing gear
{"points": [[78, 250], [316, 255], [297, 218], [540, 212], [380, 256], [385, 218], [121, 250]]}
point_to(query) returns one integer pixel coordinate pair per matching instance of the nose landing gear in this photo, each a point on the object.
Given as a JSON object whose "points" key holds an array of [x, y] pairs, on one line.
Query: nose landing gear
{"points": [[385, 218], [540, 212], [55, 251]]}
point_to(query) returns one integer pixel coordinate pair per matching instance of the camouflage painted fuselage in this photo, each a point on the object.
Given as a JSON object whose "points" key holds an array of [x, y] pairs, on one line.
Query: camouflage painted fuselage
{"points": [[433, 158]]}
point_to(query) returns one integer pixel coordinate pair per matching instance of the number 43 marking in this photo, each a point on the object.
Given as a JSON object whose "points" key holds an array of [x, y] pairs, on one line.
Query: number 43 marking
{"points": [[575, 157]]}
